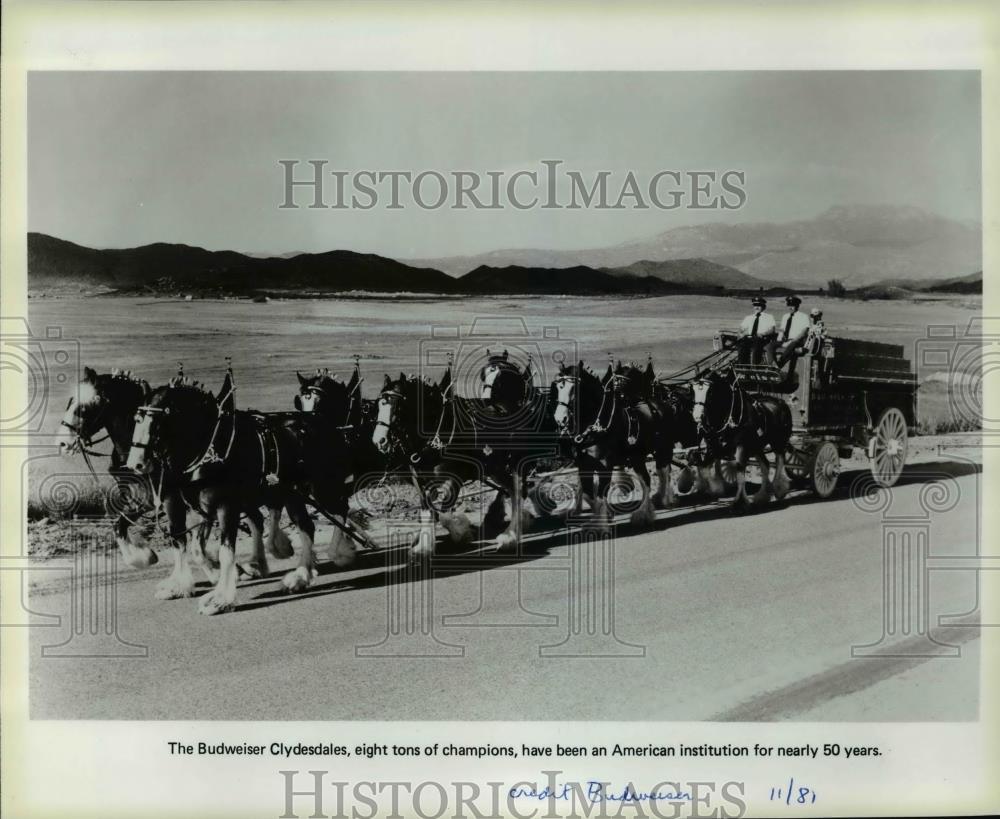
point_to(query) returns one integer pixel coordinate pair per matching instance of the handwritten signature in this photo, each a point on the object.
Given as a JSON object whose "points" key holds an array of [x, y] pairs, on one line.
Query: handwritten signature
{"points": [[595, 791]]}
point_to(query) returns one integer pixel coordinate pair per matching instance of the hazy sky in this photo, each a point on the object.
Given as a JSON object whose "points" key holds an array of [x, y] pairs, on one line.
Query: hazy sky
{"points": [[128, 158]]}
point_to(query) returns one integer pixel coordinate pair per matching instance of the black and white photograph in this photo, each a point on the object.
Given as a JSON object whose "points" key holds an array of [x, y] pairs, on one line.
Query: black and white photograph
{"points": [[495, 396]]}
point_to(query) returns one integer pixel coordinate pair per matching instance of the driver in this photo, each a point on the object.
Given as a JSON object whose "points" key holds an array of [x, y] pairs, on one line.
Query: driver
{"points": [[756, 334], [792, 330]]}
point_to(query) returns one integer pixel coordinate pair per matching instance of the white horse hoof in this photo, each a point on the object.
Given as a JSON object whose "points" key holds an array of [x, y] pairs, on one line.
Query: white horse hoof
{"points": [[458, 527], [342, 552], [253, 571], [210, 604], [506, 542], [298, 580], [168, 590], [138, 557]]}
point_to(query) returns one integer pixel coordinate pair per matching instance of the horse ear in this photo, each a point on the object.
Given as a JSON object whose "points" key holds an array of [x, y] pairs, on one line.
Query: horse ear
{"points": [[302, 379], [89, 375], [402, 376], [504, 355], [608, 374], [387, 381]]}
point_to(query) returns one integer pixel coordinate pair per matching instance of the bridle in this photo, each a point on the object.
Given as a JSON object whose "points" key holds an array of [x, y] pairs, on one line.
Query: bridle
{"points": [[83, 442], [574, 381], [392, 437], [735, 416], [140, 416]]}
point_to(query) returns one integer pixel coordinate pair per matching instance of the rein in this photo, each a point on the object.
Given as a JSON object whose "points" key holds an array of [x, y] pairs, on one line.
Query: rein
{"points": [[733, 420], [436, 442]]}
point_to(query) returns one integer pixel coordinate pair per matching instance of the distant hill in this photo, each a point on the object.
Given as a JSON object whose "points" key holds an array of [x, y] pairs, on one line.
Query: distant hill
{"points": [[55, 263], [973, 283], [858, 244], [693, 272], [960, 284], [579, 280]]}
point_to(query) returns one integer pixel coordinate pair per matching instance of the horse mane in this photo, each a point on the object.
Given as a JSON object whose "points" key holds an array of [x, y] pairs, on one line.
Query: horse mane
{"points": [[189, 385], [127, 375]]}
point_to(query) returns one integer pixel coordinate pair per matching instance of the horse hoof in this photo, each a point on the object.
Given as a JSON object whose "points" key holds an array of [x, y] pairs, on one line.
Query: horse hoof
{"points": [[252, 571], [506, 542], [643, 516], [138, 557], [458, 527], [297, 580], [168, 590], [210, 605], [342, 553]]}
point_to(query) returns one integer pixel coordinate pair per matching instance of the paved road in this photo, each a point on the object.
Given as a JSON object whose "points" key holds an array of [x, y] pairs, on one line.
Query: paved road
{"points": [[714, 617]]}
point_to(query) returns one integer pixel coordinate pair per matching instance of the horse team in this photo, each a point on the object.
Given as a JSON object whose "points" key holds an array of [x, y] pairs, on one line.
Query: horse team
{"points": [[181, 447]]}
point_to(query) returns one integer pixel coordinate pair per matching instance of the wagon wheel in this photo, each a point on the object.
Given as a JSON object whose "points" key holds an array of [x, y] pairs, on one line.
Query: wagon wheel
{"points": [[798, 465], [888, 447], [825, 469], [729, 473]]}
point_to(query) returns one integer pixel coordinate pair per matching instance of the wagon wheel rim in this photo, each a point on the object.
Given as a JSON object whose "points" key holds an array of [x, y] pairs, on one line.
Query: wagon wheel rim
{"points": [[889, 450], [826, 469]]}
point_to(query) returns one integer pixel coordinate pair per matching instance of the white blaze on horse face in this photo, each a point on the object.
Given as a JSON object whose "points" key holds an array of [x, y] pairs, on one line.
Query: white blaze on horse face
{"points": [[66, 438], [700, 394], [86, 397], [307, 401], [564, 394], [380, 437], [489, 376], [140, 440]]}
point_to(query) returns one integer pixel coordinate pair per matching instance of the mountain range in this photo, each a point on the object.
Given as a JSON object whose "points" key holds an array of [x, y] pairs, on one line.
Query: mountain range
{"points": [[55, 264], [863, 246], [858, 244]]}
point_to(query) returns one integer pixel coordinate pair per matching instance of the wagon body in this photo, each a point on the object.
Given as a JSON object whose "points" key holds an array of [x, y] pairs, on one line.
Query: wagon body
{"points": [[850, 393], [846, 385], [846, 393]]}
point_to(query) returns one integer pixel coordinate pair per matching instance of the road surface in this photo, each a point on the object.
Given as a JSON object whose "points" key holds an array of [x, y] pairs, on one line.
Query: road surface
{"points": [[707, 616]]}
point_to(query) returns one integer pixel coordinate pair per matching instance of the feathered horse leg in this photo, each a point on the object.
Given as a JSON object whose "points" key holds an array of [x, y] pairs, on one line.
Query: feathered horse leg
{"points": [[644, 515], [520, 518], [180, 583], [302, 576]]}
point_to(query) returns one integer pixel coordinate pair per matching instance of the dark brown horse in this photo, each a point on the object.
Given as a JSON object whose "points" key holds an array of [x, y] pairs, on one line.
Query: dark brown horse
{"points": [[225, 460], [619, 421], [110, 402], [736, 423]]}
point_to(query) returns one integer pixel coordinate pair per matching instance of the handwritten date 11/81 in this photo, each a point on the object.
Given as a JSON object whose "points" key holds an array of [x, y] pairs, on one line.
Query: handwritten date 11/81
{"points": [[792, 795]]}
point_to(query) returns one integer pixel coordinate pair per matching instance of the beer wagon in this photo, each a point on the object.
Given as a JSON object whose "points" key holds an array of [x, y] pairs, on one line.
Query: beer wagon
{"points": [[846, 393]]}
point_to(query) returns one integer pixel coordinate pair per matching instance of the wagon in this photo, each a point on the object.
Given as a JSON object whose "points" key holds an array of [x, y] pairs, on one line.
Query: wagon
{"points": [[845, 393]]}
